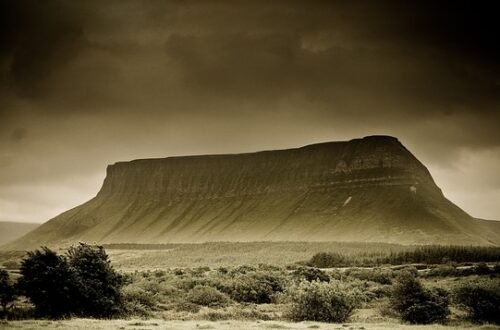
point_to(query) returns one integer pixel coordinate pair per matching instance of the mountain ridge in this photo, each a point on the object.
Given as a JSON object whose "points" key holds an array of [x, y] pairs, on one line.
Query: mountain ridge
{"points": [[370, 189]]}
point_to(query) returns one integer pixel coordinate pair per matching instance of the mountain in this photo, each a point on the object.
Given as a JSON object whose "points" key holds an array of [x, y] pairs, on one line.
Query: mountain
{"points": [[371, 189], [10, 231]]}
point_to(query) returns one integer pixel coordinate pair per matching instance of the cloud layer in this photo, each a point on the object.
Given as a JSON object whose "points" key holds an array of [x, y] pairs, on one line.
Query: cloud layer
{"points": [[87, 83]]}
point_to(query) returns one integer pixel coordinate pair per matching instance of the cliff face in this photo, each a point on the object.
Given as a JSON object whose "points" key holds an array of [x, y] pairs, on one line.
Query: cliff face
{"points": [[370, 189]]}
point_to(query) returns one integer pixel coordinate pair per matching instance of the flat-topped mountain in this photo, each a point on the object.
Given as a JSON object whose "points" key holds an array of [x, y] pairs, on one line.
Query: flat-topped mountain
{"points": [[369, 189]]}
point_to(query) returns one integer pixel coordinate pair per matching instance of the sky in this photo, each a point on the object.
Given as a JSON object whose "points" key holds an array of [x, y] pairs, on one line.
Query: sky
{"points": [[84, 84]]}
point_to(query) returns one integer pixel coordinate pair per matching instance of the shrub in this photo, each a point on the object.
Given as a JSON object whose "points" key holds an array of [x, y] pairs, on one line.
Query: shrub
{"points": [[481, 302], [321, 301], [81, 283], [373, 275], [443, 271], [48, 282], [257, 288], [137, 296], [327, 260], [207, 296], [244, 269], [482, 269], [137, 301], [417, 305], [187, 307], [7, 292], [496, 269], [311, 274]]}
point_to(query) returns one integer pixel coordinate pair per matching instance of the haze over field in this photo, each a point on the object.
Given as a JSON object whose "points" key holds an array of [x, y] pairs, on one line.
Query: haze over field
{"points": [[84, 84]]}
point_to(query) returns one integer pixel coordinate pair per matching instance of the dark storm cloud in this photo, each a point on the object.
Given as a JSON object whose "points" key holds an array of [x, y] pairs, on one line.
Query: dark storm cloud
{"points": [[87, 83], [37, 38]]}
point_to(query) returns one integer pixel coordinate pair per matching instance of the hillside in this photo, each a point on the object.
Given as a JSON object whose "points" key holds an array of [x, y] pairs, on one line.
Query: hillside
{"points": [[10, 231], [371, 189]]}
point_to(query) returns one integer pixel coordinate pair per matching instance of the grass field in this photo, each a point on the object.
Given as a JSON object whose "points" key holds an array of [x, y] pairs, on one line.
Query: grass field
{"points": [[136, 324], [129, 257], [139, 257]]}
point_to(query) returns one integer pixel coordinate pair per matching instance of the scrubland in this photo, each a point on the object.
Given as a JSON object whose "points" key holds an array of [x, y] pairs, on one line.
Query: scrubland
{"points": [[288, 286]]}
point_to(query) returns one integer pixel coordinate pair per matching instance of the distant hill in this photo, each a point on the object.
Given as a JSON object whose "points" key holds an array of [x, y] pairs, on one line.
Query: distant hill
{"points": [[489, 225], [10, 231], [371, 189]]}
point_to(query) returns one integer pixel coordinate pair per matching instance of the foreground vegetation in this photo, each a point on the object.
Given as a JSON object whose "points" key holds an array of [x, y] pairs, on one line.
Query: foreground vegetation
{"points": [[153, 324], [383, 289]]}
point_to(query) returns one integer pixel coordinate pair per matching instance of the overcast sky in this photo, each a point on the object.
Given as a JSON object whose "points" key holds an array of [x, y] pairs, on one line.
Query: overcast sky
{"points": [[84, 84]]}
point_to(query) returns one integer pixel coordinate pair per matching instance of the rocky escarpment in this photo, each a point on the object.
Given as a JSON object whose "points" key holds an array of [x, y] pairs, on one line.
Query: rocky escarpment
{"points": [[370, 189]]}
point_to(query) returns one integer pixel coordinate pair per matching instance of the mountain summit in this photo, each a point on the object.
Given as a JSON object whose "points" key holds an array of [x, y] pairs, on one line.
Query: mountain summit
{"points": [[368, 189]]}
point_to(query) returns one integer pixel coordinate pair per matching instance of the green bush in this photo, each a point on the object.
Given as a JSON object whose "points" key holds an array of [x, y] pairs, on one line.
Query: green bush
{"points": [[98, 284], [481, 302], [137, 296], [138, 301], [417, 305], [81, 283], [257, 288], [321, 301], [327, 260], [7, 292], [373, 275], [481, 269], [48, 282], [207, 296], [311, 274], [443, 271]]}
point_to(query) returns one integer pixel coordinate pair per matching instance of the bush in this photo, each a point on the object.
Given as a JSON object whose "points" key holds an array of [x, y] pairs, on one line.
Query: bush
{"points": [[81, 283], [327, 260], [443, 271], [257, 288], [7, 292], [138, 297], [207, 296], [373, 275], [320, 301], [311, 274], [481, 269], [137, 301], [417, 305], [48, 282], [481, 302], [97, 282]]}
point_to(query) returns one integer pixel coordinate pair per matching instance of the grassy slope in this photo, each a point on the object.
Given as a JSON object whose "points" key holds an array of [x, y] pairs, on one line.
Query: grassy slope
{"points": [[374, 214]]}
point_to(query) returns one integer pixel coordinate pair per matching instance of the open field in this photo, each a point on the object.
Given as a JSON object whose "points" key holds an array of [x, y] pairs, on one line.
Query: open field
{"points": [[139, 257], [130, 257], [136, 324]]}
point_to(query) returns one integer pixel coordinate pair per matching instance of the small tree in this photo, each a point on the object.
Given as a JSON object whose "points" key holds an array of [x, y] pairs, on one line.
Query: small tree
{"points": [[48, 282], [7, 292], [98, 284], [417, 305], [82, 282]]}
